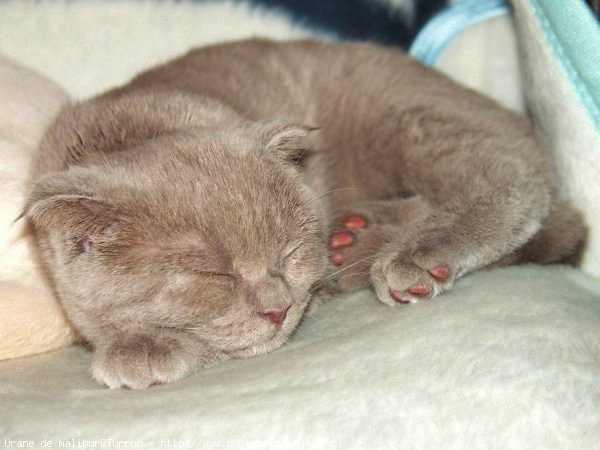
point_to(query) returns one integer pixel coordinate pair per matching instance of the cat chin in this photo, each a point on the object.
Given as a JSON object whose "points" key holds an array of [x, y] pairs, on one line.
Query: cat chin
{"points": [[276, 340]]}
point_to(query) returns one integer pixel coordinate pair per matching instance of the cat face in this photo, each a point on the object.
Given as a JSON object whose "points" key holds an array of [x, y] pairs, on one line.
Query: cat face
{"points": [[211, 233]]}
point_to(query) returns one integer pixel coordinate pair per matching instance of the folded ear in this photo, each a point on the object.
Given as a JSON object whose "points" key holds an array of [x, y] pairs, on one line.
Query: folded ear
{"points": [[72, 214], [287, 140], [57, 204]]}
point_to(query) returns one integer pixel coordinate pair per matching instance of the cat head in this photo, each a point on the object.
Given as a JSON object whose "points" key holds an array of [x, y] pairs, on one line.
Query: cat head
{"points": [[210, 231]]}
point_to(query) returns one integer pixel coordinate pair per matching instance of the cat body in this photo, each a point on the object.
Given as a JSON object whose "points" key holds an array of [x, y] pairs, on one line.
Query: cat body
{"points": [[186, 217]]}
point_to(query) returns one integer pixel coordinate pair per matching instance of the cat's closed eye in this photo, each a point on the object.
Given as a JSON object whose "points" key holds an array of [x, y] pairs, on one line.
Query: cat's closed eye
{"points": [[222, 277]]}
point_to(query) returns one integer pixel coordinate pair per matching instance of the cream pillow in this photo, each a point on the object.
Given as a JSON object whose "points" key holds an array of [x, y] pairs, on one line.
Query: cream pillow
{"points": [[31, 320]]}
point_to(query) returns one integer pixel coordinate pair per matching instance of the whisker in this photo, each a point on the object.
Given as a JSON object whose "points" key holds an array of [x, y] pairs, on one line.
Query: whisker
{"points": [[297, 332], [345, 268], [328, 277], [332, 191], [356, 274]]}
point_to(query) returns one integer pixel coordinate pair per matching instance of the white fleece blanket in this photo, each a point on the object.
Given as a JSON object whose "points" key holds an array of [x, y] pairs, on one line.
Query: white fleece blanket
{"points": [[555, 90], [508, 359]]}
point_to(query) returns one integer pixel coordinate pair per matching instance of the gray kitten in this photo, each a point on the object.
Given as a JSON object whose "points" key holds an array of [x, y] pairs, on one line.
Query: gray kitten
{"points": [[188, 216]]}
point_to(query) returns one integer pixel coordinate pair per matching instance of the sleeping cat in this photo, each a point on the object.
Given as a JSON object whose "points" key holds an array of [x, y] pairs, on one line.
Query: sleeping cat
{"points": [[188, 216]]}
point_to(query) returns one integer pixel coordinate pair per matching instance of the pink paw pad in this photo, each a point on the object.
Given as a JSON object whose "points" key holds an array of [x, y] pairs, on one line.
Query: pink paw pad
{"points": [[355, 222], [338, 258], [441, 272], [397, 296], [419, 289], [340, 239]]}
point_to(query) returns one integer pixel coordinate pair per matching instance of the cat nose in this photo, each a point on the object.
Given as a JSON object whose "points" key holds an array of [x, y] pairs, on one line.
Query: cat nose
{"points": [[276, 317]]}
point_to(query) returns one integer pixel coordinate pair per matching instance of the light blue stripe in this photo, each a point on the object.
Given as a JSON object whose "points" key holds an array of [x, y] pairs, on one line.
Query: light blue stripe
{"points": [[574, 36], [439, 31]]}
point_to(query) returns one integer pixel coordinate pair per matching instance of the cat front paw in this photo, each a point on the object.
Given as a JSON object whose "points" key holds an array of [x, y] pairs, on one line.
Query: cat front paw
{"points": [[142, 359], [376, 244], [404, 277]]}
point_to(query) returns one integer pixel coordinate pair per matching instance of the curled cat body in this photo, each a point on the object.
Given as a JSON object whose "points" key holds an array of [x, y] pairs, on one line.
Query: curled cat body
{"points": [[188, 216]]}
